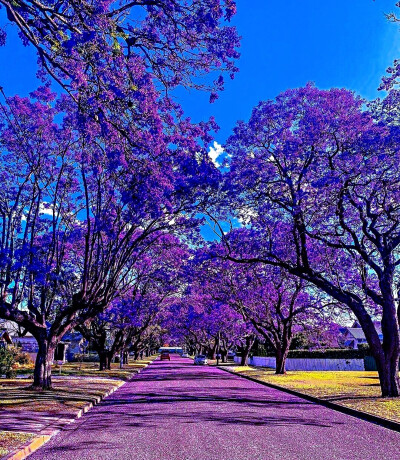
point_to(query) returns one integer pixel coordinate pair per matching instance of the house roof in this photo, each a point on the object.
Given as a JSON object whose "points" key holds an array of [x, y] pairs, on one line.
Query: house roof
{"points": [[13, 329], [5, 336], [356, 332]]}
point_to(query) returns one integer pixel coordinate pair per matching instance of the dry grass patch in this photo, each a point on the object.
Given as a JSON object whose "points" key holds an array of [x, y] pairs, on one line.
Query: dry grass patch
{"points": [[78, 385], [10, 441], [92, 370], [357, 390], [68, 395]]}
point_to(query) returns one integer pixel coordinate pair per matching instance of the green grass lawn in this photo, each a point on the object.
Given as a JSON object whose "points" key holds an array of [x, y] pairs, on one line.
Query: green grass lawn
{"points": [[357, 390]]}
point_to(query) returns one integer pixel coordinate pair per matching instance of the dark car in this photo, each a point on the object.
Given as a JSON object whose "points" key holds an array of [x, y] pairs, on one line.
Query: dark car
{"points": [[165, 356]]}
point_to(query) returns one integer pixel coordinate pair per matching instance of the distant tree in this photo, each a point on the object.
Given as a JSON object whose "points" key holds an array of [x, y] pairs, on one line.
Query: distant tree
{"points": [[207, 326], [319, 335], [275, 304], [128, 321]]}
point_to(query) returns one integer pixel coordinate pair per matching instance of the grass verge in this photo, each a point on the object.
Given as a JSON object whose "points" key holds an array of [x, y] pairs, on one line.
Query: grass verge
{"points": [[357, 390], [78, 386], [92, 369], [10, 441]]}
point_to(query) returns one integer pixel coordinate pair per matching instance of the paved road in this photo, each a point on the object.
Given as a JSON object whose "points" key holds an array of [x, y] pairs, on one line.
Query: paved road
{"points": [[177, 411]]}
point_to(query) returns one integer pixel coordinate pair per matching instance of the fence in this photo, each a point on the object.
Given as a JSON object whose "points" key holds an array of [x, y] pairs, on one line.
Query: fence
{"points": [[309, 364]]}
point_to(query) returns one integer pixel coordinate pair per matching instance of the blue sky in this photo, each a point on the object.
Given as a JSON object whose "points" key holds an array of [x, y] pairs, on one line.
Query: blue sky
{"points": [[286, 43], [345, 43]]}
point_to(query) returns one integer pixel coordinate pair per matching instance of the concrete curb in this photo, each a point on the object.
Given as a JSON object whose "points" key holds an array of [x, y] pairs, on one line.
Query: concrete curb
{"points": [[46, 434], [390, 424]]}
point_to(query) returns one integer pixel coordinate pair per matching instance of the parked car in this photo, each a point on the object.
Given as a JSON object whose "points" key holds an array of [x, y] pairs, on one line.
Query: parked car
{"points": [[165, 356], [185, 355], [230, 356], [200, 359]]}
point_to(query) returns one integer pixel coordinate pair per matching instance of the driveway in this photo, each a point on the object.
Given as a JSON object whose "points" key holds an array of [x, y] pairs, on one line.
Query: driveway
{"points": [[174, 410]]}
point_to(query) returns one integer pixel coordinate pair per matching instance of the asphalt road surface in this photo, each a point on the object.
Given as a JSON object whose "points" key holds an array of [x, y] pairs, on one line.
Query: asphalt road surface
{"points": [[177, 411]]}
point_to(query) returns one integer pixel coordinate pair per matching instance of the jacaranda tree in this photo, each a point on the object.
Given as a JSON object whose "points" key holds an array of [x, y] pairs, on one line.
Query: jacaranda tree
{"points": [[125, 325], [274, 303], [104, 54], [76, 218], [206, 318], [122, 168], [314, 180]]}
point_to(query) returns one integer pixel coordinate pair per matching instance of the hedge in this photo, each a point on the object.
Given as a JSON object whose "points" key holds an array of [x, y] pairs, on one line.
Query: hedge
{"points": [[77, 357], [330, 353]]}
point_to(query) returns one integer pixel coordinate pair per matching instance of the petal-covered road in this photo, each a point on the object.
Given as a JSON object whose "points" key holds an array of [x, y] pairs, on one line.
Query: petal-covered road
{"points": [[177, 411]]}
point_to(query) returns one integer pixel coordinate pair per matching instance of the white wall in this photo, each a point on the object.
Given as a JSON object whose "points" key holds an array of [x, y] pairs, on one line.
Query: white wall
{"points": [[309, 364]]}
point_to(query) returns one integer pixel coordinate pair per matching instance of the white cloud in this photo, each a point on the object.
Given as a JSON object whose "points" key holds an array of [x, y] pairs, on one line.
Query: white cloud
{"points": [[46, 208], [246, 215], [215, 152]]}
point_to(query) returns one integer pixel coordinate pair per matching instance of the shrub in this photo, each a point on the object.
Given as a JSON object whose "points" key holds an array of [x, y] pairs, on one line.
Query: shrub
{"points": [[11, 358], [21, 357], [261, 350], [7, 360]]}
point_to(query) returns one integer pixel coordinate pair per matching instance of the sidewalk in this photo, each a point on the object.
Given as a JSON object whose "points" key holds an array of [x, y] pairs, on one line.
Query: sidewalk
{"points": [[174, 410], [37, 416]]}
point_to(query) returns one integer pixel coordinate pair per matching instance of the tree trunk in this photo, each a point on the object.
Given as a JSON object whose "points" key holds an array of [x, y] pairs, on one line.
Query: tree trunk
{"points": [[213, 349], [44, 361], [110, 356], [388, 370], [281, 355], [103, 360], [388, 360], [246, 350], [386, 354]]}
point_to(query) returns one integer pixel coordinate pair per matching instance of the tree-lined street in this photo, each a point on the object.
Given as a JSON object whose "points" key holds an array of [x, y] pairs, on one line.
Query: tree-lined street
{"points": [[175, 410], [264, 230]]}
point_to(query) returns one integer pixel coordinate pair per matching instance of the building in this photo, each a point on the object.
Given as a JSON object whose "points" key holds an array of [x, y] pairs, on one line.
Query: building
{"points": [[354, 335], [5, 338], [65, 351]]}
